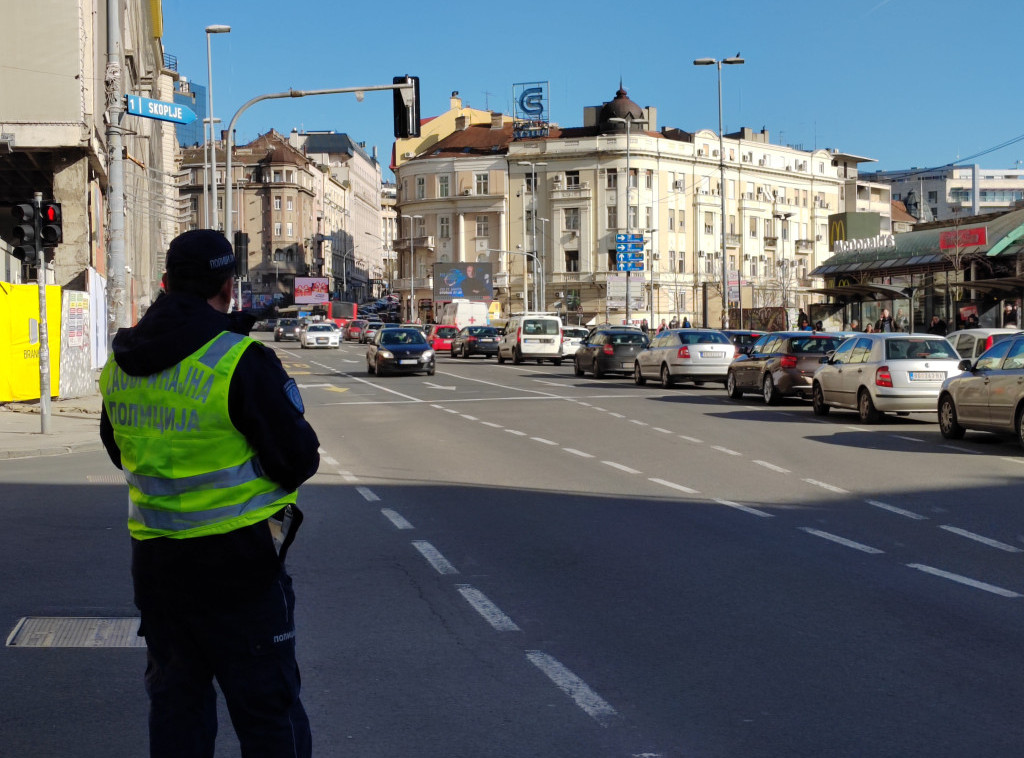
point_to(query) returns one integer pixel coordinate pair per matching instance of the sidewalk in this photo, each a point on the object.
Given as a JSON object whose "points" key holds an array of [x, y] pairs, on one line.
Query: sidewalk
{"points": [[74, 428]]}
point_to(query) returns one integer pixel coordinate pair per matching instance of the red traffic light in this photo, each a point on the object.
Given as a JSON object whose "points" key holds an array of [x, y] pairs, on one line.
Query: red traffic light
{"points": [[52, 229]]}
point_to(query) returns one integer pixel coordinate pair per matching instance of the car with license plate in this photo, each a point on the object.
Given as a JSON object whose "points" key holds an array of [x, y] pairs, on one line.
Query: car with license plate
{"points": [[572, 338], [475, 340], [440, 336], [609, 351], [987, 395], [531, 336], [287, 329], [371, 328], [690, 355], [398, 350], [971, 343], [354, 329], [884, 372], [780, 364], [320, 335]]}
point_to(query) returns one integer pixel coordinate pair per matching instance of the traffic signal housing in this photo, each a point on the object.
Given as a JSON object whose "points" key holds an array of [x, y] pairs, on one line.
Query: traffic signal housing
{"points": [[51, 225], [407, 107], [26, 233]]}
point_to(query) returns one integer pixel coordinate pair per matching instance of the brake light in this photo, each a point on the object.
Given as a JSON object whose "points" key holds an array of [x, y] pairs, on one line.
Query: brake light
{"points": [[519, 334], [608, 349], [989, 341], [788, 361], [470, 339], [883, 377], [684, 352]]}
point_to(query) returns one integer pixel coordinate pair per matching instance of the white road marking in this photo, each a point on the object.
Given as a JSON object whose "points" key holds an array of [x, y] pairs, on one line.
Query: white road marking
{"points": [[516, 432], [663, 431], [841, 540], [439, 386], [367, 494], [574, 451], [348, 476], [589, 701], [328, 460], [313, 386], [492, 424], [691, 439], [725, 450], [396, 518], [826, 486], [773, 467], [450, 410], [434, 558], [491, 613], [673, 485], [552, 384], [468, 417], [909, 439], [620, 467], [744, 508], [857, 428], [585, 405], [894, 509], [1013, 460], [543, 441], [638, 423], [983, 540], [961, 449], [616, 415], [598, 409], [964, 580]]}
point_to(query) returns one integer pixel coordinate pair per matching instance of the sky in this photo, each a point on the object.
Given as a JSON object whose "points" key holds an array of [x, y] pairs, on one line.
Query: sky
{"points": [[909, 83]]}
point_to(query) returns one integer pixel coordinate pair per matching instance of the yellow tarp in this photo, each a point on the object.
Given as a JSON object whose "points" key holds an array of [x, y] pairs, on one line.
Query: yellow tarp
{"points": [[19, 340]]}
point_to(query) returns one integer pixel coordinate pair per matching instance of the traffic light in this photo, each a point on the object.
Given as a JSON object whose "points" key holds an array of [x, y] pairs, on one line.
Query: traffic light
{"points": [[241, 253], [406, 107], [51, 232], [26, 233]]}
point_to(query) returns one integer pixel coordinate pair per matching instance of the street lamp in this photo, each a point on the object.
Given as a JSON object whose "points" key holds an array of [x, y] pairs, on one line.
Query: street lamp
{"points": [[528, 255], [732, 61], [538, 287], [211, 148], [412, 265], [543, 257], [783, 264], [628, 121]]}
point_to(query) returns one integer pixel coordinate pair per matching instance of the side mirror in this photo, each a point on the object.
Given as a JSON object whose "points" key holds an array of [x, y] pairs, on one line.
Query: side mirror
{"points": [[965, 365], [824, 359]]}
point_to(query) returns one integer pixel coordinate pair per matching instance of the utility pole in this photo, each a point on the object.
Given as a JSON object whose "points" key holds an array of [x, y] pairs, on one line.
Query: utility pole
{"points": [[117, 302]]}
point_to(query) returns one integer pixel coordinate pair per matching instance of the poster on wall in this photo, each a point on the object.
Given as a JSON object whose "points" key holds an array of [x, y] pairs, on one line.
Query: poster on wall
{"points": [[468, 280], [310, 290]]}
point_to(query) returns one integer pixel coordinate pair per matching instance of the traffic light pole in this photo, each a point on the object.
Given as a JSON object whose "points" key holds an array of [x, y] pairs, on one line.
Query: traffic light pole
{"points": [[44, 344], [117, 299]]}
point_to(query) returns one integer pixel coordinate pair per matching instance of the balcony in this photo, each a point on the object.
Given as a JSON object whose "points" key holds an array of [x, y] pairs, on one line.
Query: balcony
{"points": [[733, 240], [579, 191], [804, 246], [570, 278], [771, 241], [424, 242]]}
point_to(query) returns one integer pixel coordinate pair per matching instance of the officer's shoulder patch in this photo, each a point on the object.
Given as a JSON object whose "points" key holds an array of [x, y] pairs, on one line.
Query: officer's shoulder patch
{"points": [[291, 390]]}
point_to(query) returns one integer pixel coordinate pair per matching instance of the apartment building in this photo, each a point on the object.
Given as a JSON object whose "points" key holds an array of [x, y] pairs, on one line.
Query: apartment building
{"points": [[943, 194]]}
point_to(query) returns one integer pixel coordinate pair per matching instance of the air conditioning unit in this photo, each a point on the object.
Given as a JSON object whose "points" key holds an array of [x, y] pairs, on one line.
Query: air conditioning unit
{"points": [[519, 296], [700, 253], [746, 257], [820, 237], [680, 185], [406, 156], [714, 153], [789, 167], [467, 192], [762, 162], [745, 158], [701, 152], [656, 256], [703, 192]]}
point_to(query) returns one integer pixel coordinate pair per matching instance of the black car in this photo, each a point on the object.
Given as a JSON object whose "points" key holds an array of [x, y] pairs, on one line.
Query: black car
{"points": [[475, 340], [609, 351], [399, 350], [287, 329], [743, 338]]}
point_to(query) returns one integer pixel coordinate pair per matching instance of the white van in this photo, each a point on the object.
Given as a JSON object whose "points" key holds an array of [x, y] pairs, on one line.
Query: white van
{"points": [[531, 336], [461, 313]]}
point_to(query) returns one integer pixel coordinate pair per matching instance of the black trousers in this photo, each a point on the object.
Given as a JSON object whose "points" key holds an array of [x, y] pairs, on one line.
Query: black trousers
{"points": [[250, 650]]}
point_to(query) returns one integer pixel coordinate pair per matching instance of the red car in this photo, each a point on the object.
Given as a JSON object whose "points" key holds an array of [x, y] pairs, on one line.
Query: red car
{"points": [[354, 329], [440, 336]]}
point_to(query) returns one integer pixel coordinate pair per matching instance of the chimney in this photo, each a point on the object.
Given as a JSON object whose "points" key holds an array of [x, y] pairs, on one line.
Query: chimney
{"points": [[497, 120], [461, 122], [456, 101]]}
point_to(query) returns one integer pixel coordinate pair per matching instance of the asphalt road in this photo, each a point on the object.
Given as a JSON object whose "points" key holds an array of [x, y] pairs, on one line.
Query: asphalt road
{"points": [[512, 561]]}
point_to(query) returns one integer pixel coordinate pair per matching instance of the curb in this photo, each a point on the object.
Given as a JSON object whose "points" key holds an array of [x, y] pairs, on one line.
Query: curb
{"points": [[44, 452]]}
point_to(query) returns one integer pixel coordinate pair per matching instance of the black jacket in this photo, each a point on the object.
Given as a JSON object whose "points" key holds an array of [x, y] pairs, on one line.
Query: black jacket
{"points": [[220, 569]]}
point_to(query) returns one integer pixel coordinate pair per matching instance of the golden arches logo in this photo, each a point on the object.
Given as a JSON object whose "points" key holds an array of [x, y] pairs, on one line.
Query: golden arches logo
{"points": [[836, 232]]}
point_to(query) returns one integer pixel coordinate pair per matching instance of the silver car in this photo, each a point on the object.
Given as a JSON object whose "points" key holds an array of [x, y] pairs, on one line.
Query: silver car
{"points": [[989, 395], [694, 355], [884, 372]]}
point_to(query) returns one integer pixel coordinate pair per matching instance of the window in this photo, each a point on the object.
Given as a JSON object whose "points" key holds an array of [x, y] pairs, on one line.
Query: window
{"points": [[682, 221], [572, 219], [421, 187], [753, 267], [634, 175], [277, 176], [277, 228], [291, 203], [649, 179], [632, 214], [709, 264], [648, 217], [481, 184], [933, 196], [611, 261], [481, 226], [785, 229], [732, 224], [613, 217], [444, 227], [442, 186], [289, 230], [220, 202], [709, 222], [277, 202], [572, 260], [572, 179], [753, 227], [671, 222], [611, 179]]}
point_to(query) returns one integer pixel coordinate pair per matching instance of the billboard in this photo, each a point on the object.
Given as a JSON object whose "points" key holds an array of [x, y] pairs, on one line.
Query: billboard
{"points": [[530, 116], [310, 290], [960, 238], [843, 227], [472, 281]]}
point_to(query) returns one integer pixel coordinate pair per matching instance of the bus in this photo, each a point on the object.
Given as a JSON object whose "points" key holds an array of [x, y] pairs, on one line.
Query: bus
{"points": [[338, 311]]}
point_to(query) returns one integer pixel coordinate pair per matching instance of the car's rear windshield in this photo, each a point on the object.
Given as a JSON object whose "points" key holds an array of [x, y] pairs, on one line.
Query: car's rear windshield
{"points": [[540, 326], [402, 337], [917, 348], [701, 338], [482, 331], [575, 332], [814, 344], [627, 338], [447, 331]]}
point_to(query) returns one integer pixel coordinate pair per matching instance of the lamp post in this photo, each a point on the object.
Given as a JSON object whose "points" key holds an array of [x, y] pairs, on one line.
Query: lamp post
{"points": [[731, 61], [628, 121], [528, 255], [412, 265], [538, 287], [783, 264], [543, 257], [212, 160], [650, 265]]}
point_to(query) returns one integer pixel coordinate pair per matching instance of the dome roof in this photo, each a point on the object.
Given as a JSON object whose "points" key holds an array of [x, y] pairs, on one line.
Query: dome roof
{"points": [[620, 107]]}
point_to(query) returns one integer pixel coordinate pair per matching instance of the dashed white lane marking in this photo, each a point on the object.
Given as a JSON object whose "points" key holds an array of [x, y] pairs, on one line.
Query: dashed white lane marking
{"points": [[396, 518], [638, 423], [367, 494], [961, 449], [744, 508], [894, 509], [491, 613], [725, 450], [616, 415], [691, 439], [841, 540], [348, 476], [773, 467], [543, 441], [620, 467], [983, 540], [827, 486], [328, 459], [449, 410], [673, 485], [516, 432], [468, 417], [491, 424], [909, 439], [857, 428], [663, 431], [1014, 460], [589, 701], [964, 580], [598, 409], [434, 558], [585, 405], [574, 451]]}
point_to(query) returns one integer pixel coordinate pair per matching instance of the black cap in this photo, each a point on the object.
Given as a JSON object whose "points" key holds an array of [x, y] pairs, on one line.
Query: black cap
{"points": [[202, 256]]}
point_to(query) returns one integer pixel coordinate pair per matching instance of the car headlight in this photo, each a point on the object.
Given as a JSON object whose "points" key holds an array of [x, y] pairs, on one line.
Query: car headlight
{"points": [[385, 354], [428, 354]]}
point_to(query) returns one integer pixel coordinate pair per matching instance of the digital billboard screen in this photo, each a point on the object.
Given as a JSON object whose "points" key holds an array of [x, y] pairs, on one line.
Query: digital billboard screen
{"points": [[310, 290], [468, 280]]}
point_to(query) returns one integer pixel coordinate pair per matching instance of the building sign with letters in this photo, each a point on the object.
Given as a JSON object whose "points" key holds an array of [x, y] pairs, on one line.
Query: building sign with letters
{"points": [[530, 117], [960, 238]]}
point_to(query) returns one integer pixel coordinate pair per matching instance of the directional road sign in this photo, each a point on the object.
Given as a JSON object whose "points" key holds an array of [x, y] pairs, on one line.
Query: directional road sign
{"points": [[622, 257], [630, 265], [629, 238], [158, 109], [629, 247]]}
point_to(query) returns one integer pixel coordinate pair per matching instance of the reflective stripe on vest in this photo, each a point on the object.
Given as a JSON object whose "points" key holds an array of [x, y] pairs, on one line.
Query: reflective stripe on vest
{"points": [[178, 520]]}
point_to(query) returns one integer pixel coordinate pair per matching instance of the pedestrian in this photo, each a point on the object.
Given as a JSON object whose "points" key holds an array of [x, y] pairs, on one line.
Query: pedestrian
{"points": [[1010, 316], [686, 322], [662, 326], [210, 433], [818, 326], [885, 322], [854, 325], [803, 321], [937, 326], [674, 323], [644, 326], [870, 328]]}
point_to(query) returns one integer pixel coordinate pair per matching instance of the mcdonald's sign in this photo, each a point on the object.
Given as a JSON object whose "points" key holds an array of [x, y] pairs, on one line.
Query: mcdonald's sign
{"points": [[852, 226]]}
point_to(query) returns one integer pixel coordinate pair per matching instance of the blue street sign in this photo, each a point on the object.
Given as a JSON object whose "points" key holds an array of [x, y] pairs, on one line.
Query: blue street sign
{"points": [[630, 265], [629, 247], [629, 238], [158, 109], [621, 257]]}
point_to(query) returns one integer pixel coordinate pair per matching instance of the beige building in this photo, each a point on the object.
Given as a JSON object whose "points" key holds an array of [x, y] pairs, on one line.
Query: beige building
{"points": [[470, 195]]}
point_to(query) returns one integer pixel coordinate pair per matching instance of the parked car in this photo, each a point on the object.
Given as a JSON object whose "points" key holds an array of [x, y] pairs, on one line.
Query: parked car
{"points": [[572, 338], [371, 328], [780, 364], [354, 329], [694, 355], [287, 329], [970, 343], [884, 372], [399, 350], [987, 395], [531, 337], [320, 335], [743, 338], [475, 340], [440, 336], [609, 351]]}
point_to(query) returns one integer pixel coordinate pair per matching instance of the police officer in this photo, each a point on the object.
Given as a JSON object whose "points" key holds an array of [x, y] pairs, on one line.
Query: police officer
{"points": [[210, 432]]}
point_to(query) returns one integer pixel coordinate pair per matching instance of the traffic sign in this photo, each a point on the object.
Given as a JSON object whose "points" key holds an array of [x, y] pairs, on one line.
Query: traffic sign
{"points": [[629, 238], [630, 265], [620, 257], [158, 109], [629, 247]]}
